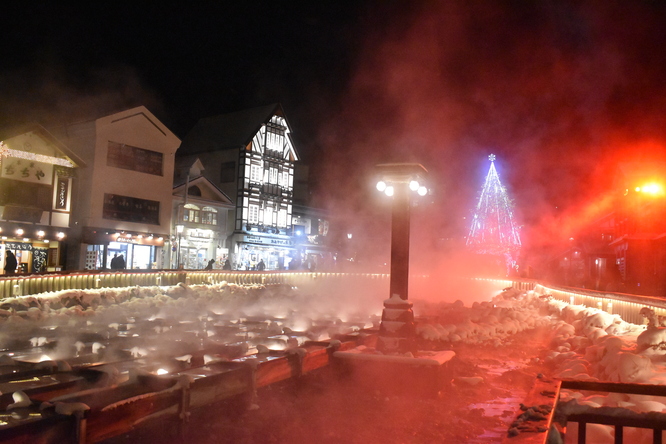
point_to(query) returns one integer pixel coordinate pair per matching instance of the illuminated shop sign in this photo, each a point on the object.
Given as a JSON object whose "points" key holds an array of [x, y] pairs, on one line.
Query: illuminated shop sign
{"points": [[125, 240], [18, 246], [61, 199], [268, 240], [26, 170], [200, 234]]}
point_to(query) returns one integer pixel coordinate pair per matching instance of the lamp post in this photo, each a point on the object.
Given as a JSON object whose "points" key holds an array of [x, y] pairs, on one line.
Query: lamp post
{"points": [[399, 181], [179, 230]]}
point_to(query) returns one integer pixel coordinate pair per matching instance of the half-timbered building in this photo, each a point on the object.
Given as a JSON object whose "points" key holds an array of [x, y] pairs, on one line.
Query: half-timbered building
{"points": [[250, 156]]}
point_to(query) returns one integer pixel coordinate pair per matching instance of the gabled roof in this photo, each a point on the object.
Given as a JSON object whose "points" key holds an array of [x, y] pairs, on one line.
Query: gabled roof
{"points": [[8, 133], [218, 196], [228, 131], [142, 112]]}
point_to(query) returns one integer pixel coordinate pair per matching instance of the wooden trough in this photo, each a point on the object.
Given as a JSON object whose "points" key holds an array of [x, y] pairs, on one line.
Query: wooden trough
{"points": [[76, 406]]}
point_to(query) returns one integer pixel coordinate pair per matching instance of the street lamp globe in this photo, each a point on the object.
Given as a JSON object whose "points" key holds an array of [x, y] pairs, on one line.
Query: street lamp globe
{"points": [[381, 186], [389, 191], [414, 185]]}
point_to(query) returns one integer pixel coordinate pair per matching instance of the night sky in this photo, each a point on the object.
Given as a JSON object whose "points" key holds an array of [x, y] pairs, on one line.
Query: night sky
{"points": [[560, 91]]}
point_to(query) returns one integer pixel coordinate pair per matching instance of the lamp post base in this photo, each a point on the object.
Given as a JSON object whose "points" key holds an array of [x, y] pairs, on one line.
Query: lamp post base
{"points": [[397, 330]]}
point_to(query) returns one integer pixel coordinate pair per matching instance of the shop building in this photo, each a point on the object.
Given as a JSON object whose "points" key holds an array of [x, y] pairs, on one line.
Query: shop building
{"points": [[249, 156], [312, 239], [124, 201], [37, 176], [201, 218]]}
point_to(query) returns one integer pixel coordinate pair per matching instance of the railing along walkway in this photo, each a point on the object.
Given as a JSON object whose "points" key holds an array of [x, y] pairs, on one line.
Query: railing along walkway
{"points": [[25, 285], [544, 397], [628, 306]]}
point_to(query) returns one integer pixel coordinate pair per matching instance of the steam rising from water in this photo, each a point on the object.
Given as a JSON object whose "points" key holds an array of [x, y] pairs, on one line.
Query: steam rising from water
{"points": [[559, 91]]}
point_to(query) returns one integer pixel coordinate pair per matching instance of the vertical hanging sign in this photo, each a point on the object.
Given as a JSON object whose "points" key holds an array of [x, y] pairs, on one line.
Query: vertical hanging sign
{"points": [[61, 194]]}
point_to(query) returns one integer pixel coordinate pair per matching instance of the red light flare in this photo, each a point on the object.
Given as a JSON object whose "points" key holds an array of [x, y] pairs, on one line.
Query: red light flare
{"points": [[600, 193]]}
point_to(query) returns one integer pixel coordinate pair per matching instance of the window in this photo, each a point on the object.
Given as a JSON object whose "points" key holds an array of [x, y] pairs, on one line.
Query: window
{"points": [[131, 209], [228, 172], [253, 216], [255, 173], [209, 216], [129, 157], [191, 213], [273, 175], [274, 137], [285, 179], [282, 218], [268, 215], [323, 227]]}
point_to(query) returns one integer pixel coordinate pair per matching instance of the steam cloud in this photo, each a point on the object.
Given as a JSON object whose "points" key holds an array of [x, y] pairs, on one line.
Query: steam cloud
{"points": [[559, 91]]}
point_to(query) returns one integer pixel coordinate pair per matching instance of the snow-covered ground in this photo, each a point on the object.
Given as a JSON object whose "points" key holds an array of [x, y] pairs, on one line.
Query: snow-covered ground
{"points": [[587, 343]]}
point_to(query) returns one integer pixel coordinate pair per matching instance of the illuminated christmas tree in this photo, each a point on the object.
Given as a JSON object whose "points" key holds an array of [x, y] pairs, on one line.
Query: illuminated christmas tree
{"points": [[494, 231]]}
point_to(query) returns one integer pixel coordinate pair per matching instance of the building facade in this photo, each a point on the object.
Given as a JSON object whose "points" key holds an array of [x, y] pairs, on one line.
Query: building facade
{"points": [[38, 174], [201, 219], [250, 157], [124, 202], [625, 249], [639, 240]]}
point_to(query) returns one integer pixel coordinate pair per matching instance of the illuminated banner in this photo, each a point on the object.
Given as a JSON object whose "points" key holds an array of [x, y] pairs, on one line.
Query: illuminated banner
{"points": [[94, 237], [61, 196], [26, 170]]}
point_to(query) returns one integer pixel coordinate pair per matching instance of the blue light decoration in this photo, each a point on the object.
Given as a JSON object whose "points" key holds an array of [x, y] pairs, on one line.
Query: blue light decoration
{"points": [[494, 230]]}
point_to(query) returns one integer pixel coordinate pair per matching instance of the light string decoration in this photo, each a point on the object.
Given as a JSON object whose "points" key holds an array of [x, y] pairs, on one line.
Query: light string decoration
{"points": [[494, 230]]}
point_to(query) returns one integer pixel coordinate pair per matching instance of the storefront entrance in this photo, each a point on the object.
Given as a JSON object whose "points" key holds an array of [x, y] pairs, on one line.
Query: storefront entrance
{"points": [[30, 257], [137, 257], [249, 256], [194, 258]]}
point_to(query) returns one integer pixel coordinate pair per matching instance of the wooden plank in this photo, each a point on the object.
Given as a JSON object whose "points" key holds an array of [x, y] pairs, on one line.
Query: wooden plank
{"points": [[534, 419], [638, 420], [49, 429], [615, 387], [219, 387], [272, 371], [122, 417], [315, 358]]}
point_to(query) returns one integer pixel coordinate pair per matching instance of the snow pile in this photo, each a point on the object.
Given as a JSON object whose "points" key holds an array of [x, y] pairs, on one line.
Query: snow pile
{"points": [[119, 304], [589, 344], [487, 322], [586, 344]]}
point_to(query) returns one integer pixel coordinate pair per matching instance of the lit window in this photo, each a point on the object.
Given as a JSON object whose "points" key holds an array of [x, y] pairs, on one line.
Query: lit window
{"points": [[255, 173], [282, 218], [275, 135], [209, 216], [253, 216], [191, 213], [268, 216]]}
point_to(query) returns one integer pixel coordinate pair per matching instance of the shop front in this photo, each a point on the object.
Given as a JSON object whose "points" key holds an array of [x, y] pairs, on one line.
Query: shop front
{"points": [[275, 251], [36, 254], [139, 251], [197, 247]]}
